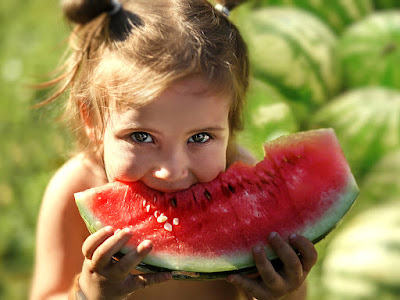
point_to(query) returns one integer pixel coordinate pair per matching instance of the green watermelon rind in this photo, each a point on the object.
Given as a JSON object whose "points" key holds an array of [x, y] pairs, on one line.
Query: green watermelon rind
{"points": [[369, 49], [337, 14], [91, 221], [310, 76], [206, 268]]}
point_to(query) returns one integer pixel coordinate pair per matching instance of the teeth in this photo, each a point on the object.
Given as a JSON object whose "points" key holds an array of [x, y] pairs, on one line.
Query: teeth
{"points": [[162, 218], [168, 226], [175, 221]]}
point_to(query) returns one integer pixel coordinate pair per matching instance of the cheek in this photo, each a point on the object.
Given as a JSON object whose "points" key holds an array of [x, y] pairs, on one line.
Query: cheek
{"points": [[209, 166], [120, 163]]}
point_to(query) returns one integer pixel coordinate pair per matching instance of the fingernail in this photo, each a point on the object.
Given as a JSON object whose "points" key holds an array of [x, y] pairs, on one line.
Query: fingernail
{"points": [[108, 229], [147, 244], [257, 249], [273, 235], [127, 230], [293, 236]]}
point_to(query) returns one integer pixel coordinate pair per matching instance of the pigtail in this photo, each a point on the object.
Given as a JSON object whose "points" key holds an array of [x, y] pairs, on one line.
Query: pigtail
{"points": [[83, 11]]}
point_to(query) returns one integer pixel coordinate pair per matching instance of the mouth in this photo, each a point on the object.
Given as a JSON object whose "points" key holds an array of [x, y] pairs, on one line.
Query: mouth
{"points": [[167, 189]]}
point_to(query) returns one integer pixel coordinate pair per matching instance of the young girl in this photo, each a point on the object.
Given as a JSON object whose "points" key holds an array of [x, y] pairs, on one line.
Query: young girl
{"points": [[156, 91]]}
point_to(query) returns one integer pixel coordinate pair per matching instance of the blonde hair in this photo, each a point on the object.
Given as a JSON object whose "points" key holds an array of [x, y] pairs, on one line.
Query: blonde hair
{"points": [[132, 56]]}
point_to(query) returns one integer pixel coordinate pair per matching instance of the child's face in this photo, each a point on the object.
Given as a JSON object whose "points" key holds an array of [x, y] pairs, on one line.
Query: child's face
{"points": [[169, 144]]}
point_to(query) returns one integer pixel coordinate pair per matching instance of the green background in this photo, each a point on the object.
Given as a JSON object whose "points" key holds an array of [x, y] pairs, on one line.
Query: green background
{"points": [[33, 36]]}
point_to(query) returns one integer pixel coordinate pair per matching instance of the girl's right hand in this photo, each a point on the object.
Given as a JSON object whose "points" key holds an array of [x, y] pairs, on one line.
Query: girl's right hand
{"points": [[104, 278]]}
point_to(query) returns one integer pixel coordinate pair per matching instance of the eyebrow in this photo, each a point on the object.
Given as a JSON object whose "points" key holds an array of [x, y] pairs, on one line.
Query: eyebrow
{"points": [[215, 128], [123, 129]]}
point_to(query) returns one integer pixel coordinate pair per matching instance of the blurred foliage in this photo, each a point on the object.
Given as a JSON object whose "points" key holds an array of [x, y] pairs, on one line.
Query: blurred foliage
{"points": [[33, 143], [33, 35]]}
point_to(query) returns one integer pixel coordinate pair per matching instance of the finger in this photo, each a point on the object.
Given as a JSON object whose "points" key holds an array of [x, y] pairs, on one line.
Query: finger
{"points": [[292, 266], [103, 254], [95, 240], [268, 274], [132, 258], [249, 286], [136, 282], [308, 253]]}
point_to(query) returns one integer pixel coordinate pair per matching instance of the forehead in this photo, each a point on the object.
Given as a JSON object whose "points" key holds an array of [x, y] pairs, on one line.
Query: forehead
{"points": [[129, 83], [188, 102]]}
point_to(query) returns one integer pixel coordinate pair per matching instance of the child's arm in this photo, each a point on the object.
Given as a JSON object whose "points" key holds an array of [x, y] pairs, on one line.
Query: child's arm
{"points": [[287, 282], [61, 234]]}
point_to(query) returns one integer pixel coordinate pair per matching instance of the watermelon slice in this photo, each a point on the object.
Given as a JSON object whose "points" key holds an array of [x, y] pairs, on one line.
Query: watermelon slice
{"points": [[304, 185]]}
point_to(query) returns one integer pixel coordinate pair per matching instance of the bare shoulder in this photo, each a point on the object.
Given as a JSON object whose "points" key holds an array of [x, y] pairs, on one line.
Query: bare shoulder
{"points": [[79, 173], [60, 229], [58, 205]]}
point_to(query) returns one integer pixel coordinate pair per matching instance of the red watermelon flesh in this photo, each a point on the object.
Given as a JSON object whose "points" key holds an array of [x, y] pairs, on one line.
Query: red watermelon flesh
{"points": [[304, 185]]}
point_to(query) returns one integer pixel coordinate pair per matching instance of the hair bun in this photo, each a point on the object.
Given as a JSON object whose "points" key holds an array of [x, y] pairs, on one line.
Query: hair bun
{"points": [[83, 11]]}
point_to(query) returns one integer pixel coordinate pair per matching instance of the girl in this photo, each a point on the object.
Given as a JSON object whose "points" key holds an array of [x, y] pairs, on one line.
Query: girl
{"points": [[156, 90]]}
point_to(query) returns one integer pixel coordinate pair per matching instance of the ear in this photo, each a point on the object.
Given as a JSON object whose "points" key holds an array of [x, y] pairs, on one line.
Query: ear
{"points": [[88, 120]]}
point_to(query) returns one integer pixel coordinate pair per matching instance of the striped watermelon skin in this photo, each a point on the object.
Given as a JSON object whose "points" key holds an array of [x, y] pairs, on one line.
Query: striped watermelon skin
{"points": [[267, 116], [363, 260], [367, 123], [294, 51], [383, 180], [337, 13], [370, 51]]}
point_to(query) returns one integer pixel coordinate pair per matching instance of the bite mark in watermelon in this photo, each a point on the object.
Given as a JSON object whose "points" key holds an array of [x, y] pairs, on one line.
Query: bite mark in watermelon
{"points": [[304, 185]]}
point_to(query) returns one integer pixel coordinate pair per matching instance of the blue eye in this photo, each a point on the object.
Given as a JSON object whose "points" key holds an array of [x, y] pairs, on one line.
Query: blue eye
{"points": [[142, 137], [199, 138]]}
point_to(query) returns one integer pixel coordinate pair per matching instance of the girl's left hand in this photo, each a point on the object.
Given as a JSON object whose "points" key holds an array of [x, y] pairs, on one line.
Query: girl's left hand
{"points": [[274, 284]]}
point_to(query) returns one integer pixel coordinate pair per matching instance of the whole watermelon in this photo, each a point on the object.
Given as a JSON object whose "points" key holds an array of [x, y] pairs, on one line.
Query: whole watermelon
{"points": [[295, 51], [370, 51], [267, 116], [366, 121], [337, 13], [363, 260], [382, 181]]}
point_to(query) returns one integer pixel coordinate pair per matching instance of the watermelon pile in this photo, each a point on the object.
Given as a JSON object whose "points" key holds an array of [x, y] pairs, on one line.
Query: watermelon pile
{"points": [[333, 64]]}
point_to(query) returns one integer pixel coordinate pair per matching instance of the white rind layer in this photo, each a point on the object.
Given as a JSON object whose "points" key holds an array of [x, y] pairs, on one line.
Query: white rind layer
{"points": [[314, 232]]}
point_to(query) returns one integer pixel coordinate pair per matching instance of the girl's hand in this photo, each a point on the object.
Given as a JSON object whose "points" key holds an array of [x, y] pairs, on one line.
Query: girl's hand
{"points": [[272, 284], [104, 278]]}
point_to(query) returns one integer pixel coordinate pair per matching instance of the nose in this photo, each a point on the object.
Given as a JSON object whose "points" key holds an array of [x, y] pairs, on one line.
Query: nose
{"points": [[172, 167]]}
